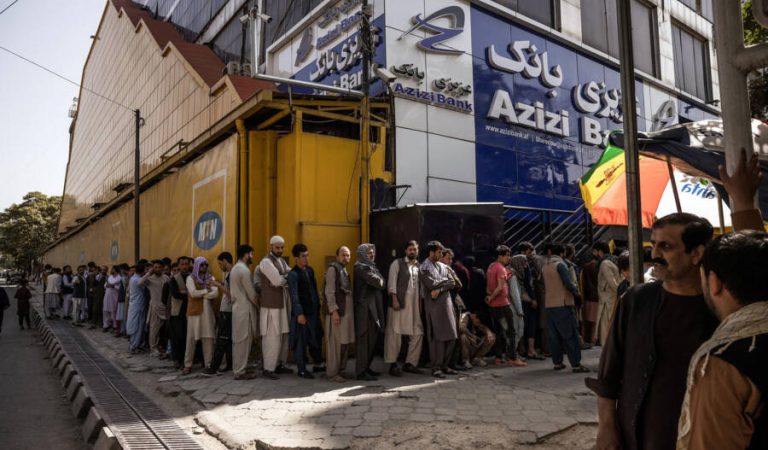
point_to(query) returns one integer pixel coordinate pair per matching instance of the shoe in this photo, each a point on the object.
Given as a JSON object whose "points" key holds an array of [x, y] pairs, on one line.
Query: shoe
{"points": [[580, 369], [307, 375], [282, 369], [372, 372], [104, 330], [517, 362], [449, 371], [318, 369], [186, 371], [536, 357], [438, 374], [465, 366], [410, 368], [479, 362], [245, 376], [208, 371], [347, 376], [500, 362], [337, 379], [365, 376], [559, 367], [268, 374], [395, 371]]}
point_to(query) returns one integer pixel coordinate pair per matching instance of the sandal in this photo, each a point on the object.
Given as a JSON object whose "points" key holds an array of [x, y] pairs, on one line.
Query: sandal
{"points": [[559, 367], [186, 371], [536, 357], [580, 369]]}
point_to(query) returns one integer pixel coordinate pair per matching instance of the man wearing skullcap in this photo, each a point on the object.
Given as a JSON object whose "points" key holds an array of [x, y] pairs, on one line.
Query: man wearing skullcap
{"points": [[271, 276]]}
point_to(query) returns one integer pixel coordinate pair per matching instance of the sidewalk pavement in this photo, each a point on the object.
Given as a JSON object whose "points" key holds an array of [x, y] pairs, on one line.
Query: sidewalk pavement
{"points": [[525, 404]]}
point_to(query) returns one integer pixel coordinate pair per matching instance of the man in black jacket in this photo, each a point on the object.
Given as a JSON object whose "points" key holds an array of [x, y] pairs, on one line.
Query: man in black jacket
{"points": [[178, 318], [656, 329], [305, 313]]}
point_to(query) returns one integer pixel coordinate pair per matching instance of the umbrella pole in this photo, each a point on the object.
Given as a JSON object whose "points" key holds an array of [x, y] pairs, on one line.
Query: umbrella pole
{"points": [[631, 154], [720, 213], [674, 185]]}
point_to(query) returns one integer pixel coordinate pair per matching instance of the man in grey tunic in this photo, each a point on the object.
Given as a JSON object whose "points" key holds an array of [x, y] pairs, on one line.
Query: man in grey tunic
{"points": [[369, 310], [404, 315], [436, 284], [339, 315]]}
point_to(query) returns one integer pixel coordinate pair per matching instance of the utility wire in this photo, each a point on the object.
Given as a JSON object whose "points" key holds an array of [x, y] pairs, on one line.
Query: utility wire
{"points": [[9, 6], [63, 77]]}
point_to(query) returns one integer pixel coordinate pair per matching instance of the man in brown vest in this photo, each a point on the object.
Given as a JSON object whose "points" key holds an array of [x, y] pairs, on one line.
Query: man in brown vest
{"points": [[272, 274], [404, 316], [560, 291], [339, 316]]}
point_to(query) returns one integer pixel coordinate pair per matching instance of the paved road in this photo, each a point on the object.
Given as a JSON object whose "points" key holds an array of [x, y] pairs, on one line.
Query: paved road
{"points": [[33, 410]]}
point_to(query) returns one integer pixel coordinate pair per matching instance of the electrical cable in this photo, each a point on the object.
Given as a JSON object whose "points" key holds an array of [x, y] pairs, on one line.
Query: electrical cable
{"points": [[39, 66], [9, 6]]}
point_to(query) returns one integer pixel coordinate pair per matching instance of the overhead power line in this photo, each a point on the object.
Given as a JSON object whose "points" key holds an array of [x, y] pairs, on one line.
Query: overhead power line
{"points": [[39, 66], [9, 6]]}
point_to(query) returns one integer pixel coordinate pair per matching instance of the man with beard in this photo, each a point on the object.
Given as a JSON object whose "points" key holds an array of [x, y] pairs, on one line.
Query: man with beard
{"points": [[436, 283], [156, 284], [272, 275], [339, 316], [404, 315], [244, 315], [223, 346], [369, 310], [656, 329], [724, 405], [178, 318]]}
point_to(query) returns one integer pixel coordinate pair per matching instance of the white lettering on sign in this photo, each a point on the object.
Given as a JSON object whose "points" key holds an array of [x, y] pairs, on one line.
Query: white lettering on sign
{"points": [[331, 61], [527, 61], [594, 98], [528, 115], [207, 230]]}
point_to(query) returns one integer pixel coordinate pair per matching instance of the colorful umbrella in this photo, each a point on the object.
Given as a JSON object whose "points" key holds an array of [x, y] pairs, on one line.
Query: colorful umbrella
{"points": [[604, 190]]}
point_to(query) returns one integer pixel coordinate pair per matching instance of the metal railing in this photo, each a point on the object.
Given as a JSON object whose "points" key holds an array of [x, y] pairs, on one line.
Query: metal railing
{"points": [[538, 226]]}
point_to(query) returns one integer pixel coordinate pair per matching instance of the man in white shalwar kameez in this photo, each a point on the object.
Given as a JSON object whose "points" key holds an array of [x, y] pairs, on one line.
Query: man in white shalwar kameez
{"points": [[244, 313], [404, 316], [275, 309]]}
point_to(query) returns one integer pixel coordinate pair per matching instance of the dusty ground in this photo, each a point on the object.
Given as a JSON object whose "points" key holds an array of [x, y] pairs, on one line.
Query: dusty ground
{"points": [[445, 436]]}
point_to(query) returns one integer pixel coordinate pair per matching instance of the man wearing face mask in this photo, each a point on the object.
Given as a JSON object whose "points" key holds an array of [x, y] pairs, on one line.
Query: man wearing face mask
{"points": [[656, 329]]}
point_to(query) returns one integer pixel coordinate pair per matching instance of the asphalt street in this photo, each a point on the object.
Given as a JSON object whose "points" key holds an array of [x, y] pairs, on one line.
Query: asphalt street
{"points": [[33, 410]]}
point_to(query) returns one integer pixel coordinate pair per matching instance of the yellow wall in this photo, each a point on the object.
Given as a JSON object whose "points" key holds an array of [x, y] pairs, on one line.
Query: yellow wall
{"points": [[169, 213], [314, 198]]}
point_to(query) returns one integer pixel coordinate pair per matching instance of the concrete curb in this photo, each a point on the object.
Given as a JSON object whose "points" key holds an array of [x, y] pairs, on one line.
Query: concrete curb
{"points": [[94, 429]]}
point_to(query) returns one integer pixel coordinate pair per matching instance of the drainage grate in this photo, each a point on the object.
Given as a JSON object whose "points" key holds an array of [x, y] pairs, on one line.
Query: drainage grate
{"points": [[134, 419]]}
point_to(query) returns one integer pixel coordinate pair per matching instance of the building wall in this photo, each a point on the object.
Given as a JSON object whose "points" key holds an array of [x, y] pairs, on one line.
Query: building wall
{"points": [[456, 154], [190, 212], [127, 65]]}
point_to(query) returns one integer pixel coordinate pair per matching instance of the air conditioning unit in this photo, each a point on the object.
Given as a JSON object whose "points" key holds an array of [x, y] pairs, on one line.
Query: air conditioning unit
{"points": [[246, 69], [233, 68]]}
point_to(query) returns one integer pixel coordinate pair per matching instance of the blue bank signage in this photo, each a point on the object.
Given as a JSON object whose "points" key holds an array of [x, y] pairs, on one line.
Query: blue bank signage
{"points": [[208, 229]]}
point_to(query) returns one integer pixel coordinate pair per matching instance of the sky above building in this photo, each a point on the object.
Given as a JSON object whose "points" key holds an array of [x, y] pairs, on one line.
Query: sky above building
{"points": [[34, 125]]}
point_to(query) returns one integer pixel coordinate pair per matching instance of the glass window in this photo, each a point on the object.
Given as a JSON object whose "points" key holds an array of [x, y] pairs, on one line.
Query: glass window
{"points": [[600, 29], [691, 62], [285, 14], [538, 10], [703, 7]]}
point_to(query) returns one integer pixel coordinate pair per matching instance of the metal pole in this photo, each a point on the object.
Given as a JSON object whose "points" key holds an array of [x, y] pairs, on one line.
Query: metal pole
{"points": [[136, 190], [720, 214], [734, 95], [631, 155], [365, 107], [674, 185], [309, 85]]}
